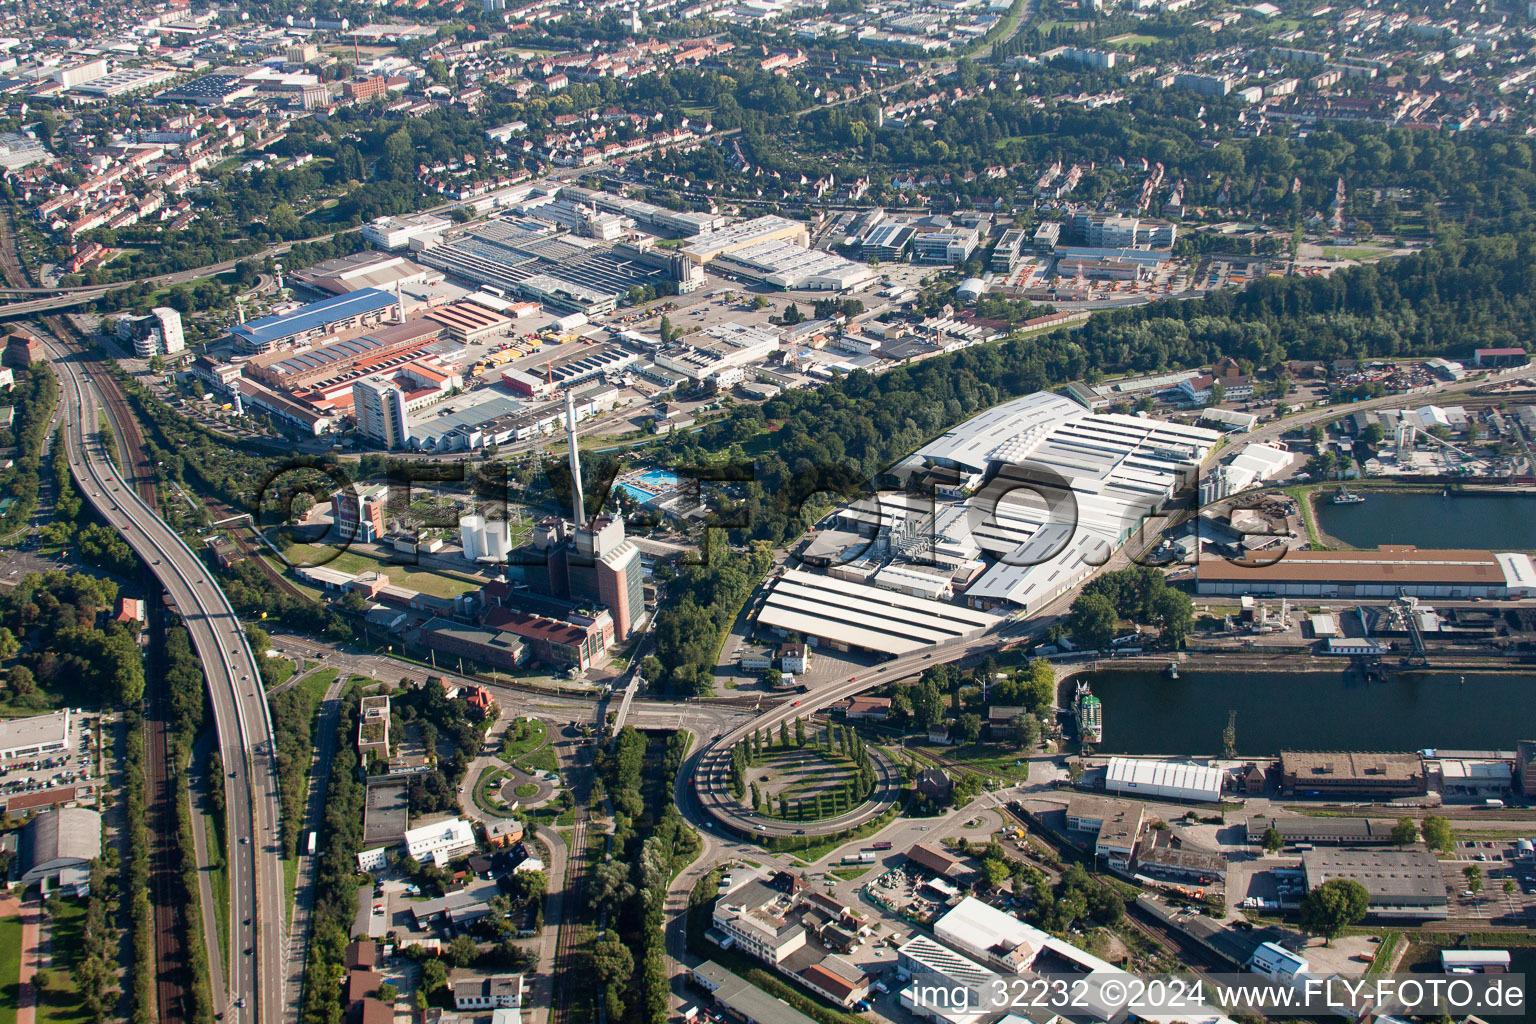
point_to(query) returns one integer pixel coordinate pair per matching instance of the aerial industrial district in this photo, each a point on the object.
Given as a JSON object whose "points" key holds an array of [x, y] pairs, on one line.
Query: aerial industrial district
{"points": [[485, 536]]}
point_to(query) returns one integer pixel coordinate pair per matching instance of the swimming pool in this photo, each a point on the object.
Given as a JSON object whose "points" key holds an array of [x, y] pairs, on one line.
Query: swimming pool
{"points": [[655, 481]]}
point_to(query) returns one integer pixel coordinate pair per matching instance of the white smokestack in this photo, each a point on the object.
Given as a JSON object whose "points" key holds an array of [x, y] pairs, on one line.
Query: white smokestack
{"points": [[570, 434]]}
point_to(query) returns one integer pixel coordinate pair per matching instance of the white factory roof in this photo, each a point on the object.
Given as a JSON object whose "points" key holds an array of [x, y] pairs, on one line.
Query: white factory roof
{"points": [[37, 731], [1117, 468], [945, 961], [1519, 573], [975, 927], [863, 616], [1138, 774]]}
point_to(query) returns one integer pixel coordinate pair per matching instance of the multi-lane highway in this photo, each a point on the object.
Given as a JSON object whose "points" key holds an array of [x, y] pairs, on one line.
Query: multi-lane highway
{"points": [[257, 919]]}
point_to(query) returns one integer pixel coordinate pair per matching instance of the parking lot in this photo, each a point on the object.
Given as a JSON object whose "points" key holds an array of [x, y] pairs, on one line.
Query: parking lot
{"points": [[42, 780], [1508, 891]]}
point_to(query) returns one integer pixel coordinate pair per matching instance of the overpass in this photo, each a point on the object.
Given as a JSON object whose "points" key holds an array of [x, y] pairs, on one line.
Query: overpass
{"points": [[257, 919]]}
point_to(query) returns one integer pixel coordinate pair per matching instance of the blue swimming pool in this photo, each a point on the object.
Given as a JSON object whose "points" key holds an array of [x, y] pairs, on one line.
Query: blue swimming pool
{"points": [[655, 481]]}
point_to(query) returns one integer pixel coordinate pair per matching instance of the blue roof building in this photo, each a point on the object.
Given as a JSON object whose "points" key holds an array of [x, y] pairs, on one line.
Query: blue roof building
{"points": [[316, 320]]}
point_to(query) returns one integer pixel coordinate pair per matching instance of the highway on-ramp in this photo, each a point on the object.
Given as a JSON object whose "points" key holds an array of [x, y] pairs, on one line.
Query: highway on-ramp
{"points": [[257, 918]]}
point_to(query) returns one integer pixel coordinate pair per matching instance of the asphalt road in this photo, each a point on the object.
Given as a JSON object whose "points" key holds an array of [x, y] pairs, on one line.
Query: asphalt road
{"points": [[257, 918]]}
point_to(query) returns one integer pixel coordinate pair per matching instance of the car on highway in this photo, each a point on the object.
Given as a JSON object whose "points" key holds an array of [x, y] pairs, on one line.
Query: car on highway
{"points": [[795, 704]]}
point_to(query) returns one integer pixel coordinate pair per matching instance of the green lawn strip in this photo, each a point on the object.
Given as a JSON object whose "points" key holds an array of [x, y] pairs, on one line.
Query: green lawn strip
{"points": [[490, 780], [849, 874], [218, 877], [10, 968], [989, 759], [291, 881], [59, 1000], [1386, 952], [313, 689]]}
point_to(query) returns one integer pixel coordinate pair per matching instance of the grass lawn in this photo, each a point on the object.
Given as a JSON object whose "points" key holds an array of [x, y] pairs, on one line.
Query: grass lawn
{"points": [[218, 878], [281, 668], [849, 874], [59, 1001], [1133, 39], [1001, 759], [541, 760], [522, 737], [10, 968], [524, 791], [437, 584], [1354, 252]]}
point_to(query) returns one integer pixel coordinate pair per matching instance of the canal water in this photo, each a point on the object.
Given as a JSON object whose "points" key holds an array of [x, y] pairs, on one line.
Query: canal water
{"points": [[1503, 522], [1148, 713]]}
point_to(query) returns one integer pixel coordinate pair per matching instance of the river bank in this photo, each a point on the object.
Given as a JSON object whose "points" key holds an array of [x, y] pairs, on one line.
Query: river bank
{"points": [[1333, 708]]}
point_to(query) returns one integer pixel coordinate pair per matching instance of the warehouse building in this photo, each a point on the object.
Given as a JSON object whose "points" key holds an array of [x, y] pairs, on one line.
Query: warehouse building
{"points": [[845, 614], [742, 1001], [1350, 773], [1388, 571], [357, 271], [1168, 780], [1301, 828], [59, 845], [787, 265], [726, 240], [314, 322], [1405, 885], [38, 736]]}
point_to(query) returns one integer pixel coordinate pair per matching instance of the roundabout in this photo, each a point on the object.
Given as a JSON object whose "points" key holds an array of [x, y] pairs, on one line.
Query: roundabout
{"points": [[813, 800]]}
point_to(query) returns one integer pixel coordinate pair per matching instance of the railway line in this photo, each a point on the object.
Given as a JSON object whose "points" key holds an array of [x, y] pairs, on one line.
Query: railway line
{"points": [[171, 975]]}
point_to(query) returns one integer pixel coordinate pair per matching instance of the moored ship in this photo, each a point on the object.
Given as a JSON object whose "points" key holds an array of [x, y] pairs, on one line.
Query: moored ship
{"points": [[1090, 715]]}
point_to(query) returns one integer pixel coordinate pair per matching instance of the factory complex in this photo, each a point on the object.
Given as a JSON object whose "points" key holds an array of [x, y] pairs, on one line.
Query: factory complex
{"points": [[507, 315], [1001, 515]]}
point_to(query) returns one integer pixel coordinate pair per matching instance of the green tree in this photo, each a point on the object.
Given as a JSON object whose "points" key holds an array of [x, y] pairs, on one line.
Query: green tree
{"points": [[970, 727], [1333, 906], [1025, 731], [799, 732], [927, 703], [792, 314], [1092, 620], [1405, 832], [1273, 841], [1474, 876], [434, 975], [1437, 833], [1175, 614], [994, 872]]}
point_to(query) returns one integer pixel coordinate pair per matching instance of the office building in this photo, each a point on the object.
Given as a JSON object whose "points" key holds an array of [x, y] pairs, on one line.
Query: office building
{"points": [[380, 409], [494, 992], [407, 231], [1009, 251], [156, 334], [952, 245], [441, 842], [358, 513]]}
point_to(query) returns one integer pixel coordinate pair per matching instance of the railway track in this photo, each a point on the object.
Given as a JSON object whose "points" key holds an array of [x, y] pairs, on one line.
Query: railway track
{"points": [[171, 963]]}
